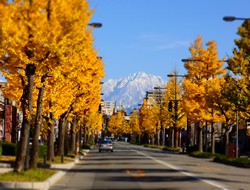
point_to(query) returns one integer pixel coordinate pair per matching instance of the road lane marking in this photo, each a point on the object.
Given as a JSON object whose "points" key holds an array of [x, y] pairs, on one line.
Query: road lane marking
{"points": [[207, 168], [210, 182], [137, 174]]}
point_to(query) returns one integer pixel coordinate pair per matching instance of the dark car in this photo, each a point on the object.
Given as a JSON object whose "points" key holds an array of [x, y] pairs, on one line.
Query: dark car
{"points": [[105, 145]]}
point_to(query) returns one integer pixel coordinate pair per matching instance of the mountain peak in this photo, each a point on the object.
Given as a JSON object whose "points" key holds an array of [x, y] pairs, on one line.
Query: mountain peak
{"points": [[140, 74], [130, 90]]}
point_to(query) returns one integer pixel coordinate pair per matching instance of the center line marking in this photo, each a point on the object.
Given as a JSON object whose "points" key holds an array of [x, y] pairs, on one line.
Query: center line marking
{"points": [[185, 173]]}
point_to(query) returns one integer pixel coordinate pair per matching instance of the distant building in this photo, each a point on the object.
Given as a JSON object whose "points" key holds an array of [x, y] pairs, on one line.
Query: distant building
{"points": [[155, 96], [120, 108], [1, 116], [108, 107]]}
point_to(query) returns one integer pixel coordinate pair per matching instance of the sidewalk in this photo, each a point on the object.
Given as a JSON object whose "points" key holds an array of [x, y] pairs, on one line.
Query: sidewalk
{"points": [[62, 169]]}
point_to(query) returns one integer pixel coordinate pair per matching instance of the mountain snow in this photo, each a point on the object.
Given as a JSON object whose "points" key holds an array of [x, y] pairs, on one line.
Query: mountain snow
{"points": [[130, 91]]}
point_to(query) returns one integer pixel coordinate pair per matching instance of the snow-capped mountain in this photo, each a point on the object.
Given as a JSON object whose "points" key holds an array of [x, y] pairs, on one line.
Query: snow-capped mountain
{"points": [[130, 91]]}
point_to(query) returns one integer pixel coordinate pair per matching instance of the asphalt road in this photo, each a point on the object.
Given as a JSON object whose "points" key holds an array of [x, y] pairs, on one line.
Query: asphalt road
{"points": [[132, 167]]}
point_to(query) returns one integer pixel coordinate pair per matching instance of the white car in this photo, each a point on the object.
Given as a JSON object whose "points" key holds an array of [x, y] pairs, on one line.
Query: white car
{"points": [[105, 145]]}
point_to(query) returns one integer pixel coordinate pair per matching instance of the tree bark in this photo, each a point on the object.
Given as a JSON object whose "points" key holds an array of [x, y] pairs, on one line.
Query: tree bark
{"points": [[26, 103], [179, 136], [66, 139], [72, 146], [158, 137], [61, 136], [212, 139], [200, 139], [172, 136], [38, 124], [176, 139], [85, 135], [51, 139], [163, 136], [228, 130], [153, 139], [227, 142]]}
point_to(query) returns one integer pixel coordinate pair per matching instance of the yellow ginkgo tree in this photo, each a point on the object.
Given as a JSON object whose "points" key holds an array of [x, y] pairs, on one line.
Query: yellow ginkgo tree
{"points": [[203, 66], [173, 97], [148, 120], [42, 40], [223, 110], [115, 124], [136, 129]]}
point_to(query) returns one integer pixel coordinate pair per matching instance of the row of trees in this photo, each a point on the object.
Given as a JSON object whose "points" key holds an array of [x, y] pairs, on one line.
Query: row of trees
{"points": [[52, 69], [211, 92]]}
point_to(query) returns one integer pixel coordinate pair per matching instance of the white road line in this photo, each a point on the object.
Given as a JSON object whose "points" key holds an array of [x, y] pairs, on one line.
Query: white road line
{"points": [[185, 173]]}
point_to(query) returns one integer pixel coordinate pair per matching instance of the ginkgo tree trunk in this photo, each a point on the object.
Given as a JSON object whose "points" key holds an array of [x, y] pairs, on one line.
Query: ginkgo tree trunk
{"points": [[23, 151]]}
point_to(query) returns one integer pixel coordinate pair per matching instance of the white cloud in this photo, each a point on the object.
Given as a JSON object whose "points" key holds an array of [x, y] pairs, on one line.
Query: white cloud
{"points": [[172, 45], [152, 37], [160, 42]]}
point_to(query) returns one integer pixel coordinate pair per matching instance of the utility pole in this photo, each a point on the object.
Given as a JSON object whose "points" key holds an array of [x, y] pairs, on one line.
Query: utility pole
{"points": [[175, 108], [160, 96]]}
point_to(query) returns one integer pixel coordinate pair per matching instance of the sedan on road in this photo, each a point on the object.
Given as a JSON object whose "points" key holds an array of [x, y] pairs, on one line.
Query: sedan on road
{"points": [[105, 145]]}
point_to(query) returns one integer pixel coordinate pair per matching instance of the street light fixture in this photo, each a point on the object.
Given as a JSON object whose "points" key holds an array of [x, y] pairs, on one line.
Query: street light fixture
{"points": [[158, 87], [191, 59], [188, 59], [232, 18], [173, 75], [95, 25]]}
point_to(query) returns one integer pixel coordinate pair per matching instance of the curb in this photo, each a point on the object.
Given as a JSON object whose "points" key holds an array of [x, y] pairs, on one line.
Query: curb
{"points": [[32, 185], [43, 185]]}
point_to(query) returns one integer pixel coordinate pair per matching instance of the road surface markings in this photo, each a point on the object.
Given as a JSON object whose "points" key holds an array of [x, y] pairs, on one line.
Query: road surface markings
{"points": [[207, 168], [137, 174], [210, 182]]}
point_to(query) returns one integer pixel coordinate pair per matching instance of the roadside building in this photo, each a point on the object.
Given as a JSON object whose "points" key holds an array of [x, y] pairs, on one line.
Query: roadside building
{"points": [[10, 119]]}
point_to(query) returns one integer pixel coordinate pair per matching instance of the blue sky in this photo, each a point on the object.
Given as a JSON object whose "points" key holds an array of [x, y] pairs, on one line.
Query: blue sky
{"points": [[153, 36]]}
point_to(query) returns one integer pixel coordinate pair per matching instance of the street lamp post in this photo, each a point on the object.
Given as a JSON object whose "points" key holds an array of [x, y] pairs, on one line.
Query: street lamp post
{"points": [[160, 104], [230, 19], [175, 97], [79, 144]]}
